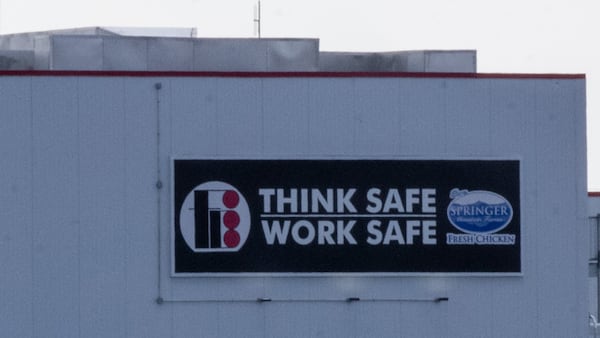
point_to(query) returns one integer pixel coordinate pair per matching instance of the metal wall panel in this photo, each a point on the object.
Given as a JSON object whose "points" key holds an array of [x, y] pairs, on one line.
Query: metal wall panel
{"points": [[15, 60], [364, 62], [285, 131], [72, 52], [293, 55], [256, 54], [592, 259], [376, 119], [456, 61], [16, 189], [555, 154], [239, 117], [237, 54], [102, 226], [415, 60], [467, 117], [84, 260], [121, 53], [312, 320], [41, 51], [203, 319], [511, 106], [423, 131], [170, 54], [172, 50], [144, 318], [55, 210], [325, 114], [17, 41], [194, 116]]}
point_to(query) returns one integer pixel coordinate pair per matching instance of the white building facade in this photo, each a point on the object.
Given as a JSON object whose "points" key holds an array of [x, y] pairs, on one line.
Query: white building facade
{"points": [[87, 211]]}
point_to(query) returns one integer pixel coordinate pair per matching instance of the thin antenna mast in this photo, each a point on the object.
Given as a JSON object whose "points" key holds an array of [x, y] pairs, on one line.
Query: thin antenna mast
{"points": [[257, 19]]}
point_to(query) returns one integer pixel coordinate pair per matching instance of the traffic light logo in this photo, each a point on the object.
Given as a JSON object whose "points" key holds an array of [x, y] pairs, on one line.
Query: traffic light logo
{"points": [[214, 217]]}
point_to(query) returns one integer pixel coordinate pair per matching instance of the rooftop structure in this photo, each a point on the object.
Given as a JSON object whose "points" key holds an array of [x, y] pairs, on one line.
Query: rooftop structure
{"points": [[178, 49]]}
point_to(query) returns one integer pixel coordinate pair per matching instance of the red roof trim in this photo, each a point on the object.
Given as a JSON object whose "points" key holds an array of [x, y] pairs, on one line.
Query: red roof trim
{"points": [[594, 194], [287, 74]]}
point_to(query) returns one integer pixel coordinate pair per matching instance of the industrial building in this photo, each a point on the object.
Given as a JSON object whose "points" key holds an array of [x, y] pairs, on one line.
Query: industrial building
{"points": [[157, 184]]}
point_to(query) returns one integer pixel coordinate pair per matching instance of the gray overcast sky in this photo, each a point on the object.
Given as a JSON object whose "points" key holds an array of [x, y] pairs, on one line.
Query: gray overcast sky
{"points": [[510, 36]]}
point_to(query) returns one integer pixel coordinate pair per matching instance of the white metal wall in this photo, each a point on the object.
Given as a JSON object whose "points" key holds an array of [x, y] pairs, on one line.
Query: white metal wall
{"points": [[79, 218], [594, 242]]}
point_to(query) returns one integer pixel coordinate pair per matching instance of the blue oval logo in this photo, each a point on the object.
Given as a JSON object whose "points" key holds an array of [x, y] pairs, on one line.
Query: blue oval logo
{"points": [[478, 211]]}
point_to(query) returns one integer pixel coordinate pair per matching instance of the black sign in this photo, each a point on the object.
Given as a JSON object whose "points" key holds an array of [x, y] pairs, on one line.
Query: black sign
{"points": [[346, 216]]}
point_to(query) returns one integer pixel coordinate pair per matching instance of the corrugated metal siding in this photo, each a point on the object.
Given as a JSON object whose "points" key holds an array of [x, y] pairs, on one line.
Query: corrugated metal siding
{"points": [[78, 203]]}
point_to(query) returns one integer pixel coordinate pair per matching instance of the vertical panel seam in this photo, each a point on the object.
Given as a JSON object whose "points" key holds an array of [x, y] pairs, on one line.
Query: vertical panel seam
{"points": [[306, 150], [489, 113], [169, 111], [124, 225], [535, 243], [77, 94], [399, 115], [445, 114], [262, 114], [169, 98], [577, 220], [31, 178], [355, 126], [217, 109]]}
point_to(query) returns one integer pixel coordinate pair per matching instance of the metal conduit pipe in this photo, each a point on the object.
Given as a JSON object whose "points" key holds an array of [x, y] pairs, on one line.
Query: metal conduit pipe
{"points": [[158, 185], [307, 300]]}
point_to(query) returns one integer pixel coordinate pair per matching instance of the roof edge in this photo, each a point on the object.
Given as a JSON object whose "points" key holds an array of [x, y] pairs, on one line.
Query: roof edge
{"points": [[316, 74]]}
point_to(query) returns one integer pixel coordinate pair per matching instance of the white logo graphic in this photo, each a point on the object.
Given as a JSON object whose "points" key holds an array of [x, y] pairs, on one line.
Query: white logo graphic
{"points": [[214, 217], [479, 214]]}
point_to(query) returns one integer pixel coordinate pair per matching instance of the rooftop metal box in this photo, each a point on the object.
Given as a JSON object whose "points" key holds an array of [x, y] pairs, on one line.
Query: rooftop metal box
{"points": [[431, 61], [178, 49], [105, 52]]}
